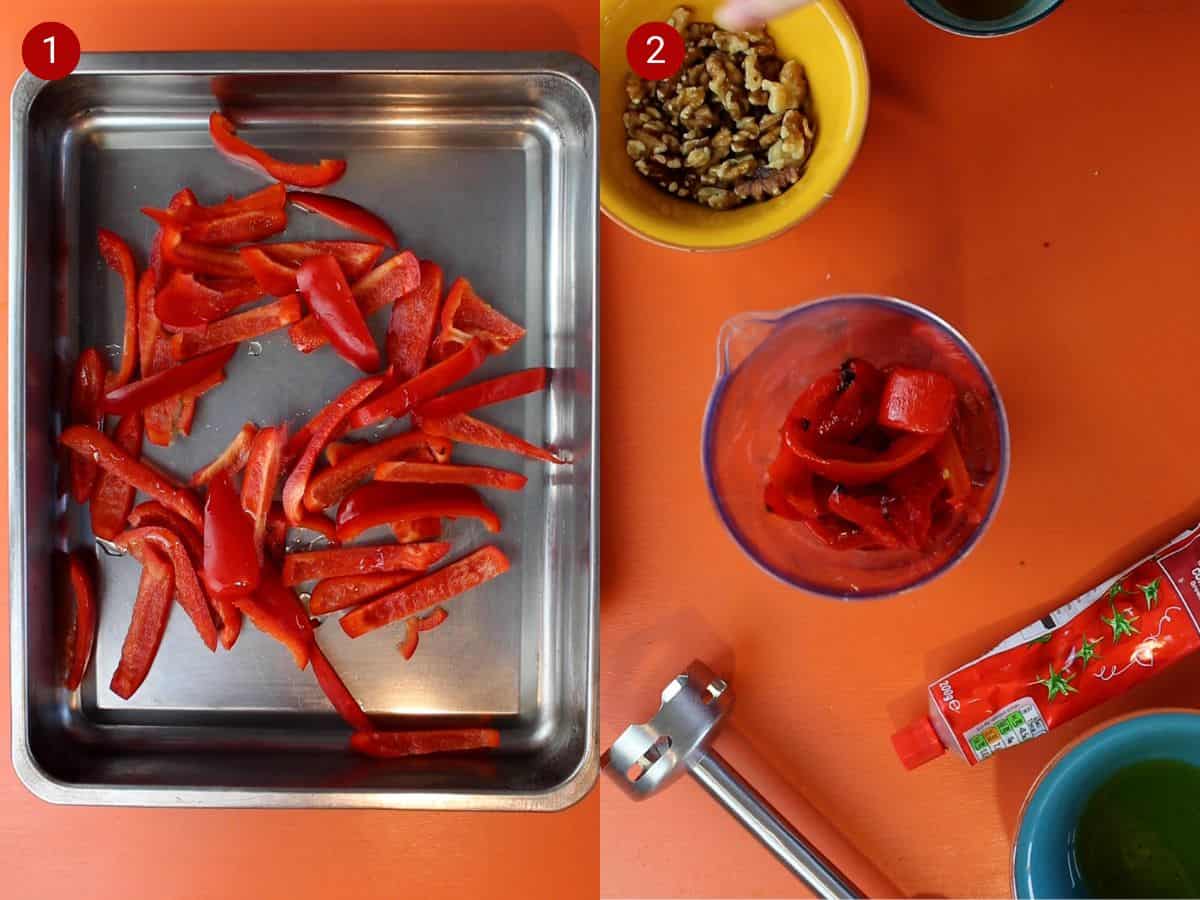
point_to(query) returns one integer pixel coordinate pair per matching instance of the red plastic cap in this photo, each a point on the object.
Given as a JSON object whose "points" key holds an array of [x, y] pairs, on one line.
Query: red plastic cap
{"points": [[917, 743]]}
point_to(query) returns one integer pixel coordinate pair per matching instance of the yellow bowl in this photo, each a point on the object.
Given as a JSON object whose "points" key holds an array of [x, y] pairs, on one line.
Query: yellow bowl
{"points": [[823, 38]]}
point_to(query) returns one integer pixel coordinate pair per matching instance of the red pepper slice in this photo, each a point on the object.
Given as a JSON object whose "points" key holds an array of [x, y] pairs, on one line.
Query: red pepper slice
{"points": [[465, 315], [119, 258], [917, 400], [272, 197], [323, 285], [346, 213], [432, 620], [189, 397], [412, 323], [244, 326], [463, 429], [903, 451], [154, 513], [94, 444], [274, 277], [112, 498], [187, 586], [320, 564], [434, 473], [410, 531], [432, 590], [146, 626], [250, 225], [231, 563], [380, 503], [355, 257], [412, 637], [953, 469], [487, 393], [344, 591], [388, 281], [275, 540], [230, 460], [323, 427], [263, 467], [855, 405], [202, 258], [186, 304], [168, 383], [335, 689], [224, 136], [83, 632], [867, 512], [403, 398], [915, 489], [790, 486], [839, 534], [397, 744], [331, 485], [155, 355], [320, 523], [87, 397], [277, 611]]}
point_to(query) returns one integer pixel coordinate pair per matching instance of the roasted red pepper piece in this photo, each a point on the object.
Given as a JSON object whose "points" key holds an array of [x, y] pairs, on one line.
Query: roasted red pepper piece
{"points": [[231, 460], [274, 277], [380, 503], [412, 637], [112, 498], [412, 323], [778, 502], [913, 491], [244, 326], [137, 395], [790, 486], [187, 586], [154, 513], [323, 427], [410, 531], [323, 285], [263, 467], [320, 564], [186, 304], [82, 634], [404, 398], [396, 744], [277, 611], [466, 315], [231, 562], [463, 429], [433, 473], [249, 225], [390, 280], [344, 591], [868, 513], [119, 258], [271, 197], [346, 213], [432, 590], [917, 400], [839, 534], [487, 393], [337, 692], [146, 626], [855, 405], [201, 258], [953, 471], [355, 257], [224, 136], [330, 486], [875, 467], [94, 444], [87, 397], [432, 620]]}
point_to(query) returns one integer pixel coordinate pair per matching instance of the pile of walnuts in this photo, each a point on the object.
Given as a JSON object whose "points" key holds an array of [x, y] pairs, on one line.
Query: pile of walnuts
{"points": [[733, 126]]}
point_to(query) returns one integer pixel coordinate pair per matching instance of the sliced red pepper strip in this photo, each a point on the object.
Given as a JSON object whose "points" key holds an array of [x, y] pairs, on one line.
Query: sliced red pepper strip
{"points": [[466, 315], [119, 258], [404, 398], [228, 617], [384, 284], [380, 503], [953, 469], [320, 523], [187, 304], [435, 473], [432, 620], [231, 460], [432, 590], [337, 692], [87, 398], [244, 326], [463, 429], [346, 213], [856, 403], [275, 540], [146, 626], [330, 486], [320, 564], [277, 611], [323, 427], [397, 744], [355, 257], [95, 445], [344, 591], [487, 393], [181, 200], [274, 277], [155, 355], [154, 513], [112, 498], [321, 282], [168, 383], [410, 531], [83, 635], [339, 451], [412, 637], [867, 513], [272, 197], [187, 586], [231, 562], [250, 225], [903, 451], [202, 258], [412, 323], [188, 398], [264, 465], [917, 400], [224, 136]]}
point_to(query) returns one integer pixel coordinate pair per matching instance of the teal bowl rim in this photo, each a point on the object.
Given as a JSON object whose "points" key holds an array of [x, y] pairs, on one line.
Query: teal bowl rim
{"points": [[983, 31]]}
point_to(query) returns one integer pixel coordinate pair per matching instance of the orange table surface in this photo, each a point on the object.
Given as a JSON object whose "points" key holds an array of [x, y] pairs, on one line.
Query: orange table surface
{"points": [[119, 853], [1039, 191]]}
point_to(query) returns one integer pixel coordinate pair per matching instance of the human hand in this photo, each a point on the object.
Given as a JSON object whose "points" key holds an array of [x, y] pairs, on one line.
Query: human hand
{"points": [[740, 15]]}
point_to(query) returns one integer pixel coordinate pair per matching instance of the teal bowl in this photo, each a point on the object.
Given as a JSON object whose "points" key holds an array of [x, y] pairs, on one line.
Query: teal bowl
{"points": [[1043, 862], [1029, 13]]}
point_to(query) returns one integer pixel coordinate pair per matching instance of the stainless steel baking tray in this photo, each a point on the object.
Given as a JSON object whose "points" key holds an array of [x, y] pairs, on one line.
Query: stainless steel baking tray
{"points": [[483, 162]]}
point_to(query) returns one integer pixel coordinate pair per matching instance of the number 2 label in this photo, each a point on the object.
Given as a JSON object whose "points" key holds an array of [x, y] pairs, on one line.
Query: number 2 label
{"points": [[655, 51]]}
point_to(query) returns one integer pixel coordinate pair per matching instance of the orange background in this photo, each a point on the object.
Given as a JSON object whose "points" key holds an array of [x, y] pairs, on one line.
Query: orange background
{"points": [[121, 853], [1040, 192]]}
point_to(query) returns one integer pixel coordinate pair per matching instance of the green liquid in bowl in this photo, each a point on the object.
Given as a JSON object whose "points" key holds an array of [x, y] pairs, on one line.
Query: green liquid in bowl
{"points": [[1139, 835]]}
